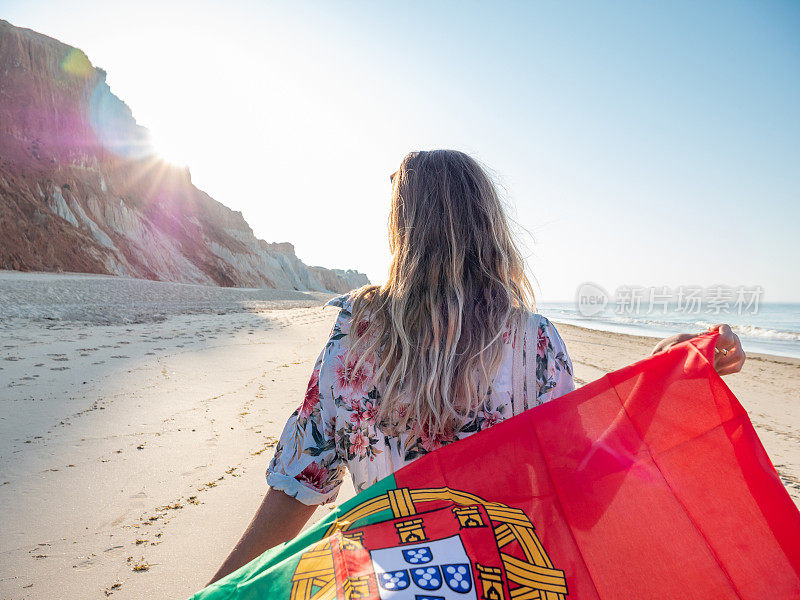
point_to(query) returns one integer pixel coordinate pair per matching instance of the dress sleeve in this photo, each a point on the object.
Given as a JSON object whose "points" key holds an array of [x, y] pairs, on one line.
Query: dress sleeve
{"points": [[306, 465], [553, 364]]}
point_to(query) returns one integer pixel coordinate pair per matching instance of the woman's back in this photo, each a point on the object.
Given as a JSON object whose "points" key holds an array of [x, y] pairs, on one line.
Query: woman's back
{"points": [[445, 348], [337, 426]]}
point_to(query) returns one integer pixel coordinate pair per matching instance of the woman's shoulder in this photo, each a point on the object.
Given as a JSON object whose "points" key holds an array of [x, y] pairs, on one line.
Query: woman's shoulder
{"points": [[551, 347], [341, 326], [345, 301], [342, 301], [548, 339], [532, 320], [345, 304], [348, 302], [545, 324], [546, 328]]}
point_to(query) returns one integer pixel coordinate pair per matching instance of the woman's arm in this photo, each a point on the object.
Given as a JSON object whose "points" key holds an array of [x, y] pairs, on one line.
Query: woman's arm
{"points": [[729, 357], [306, 465], [279, 518]]}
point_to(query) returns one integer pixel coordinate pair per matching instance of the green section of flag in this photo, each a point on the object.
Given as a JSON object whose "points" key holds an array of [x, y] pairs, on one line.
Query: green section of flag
{"points": [[270, 575]]}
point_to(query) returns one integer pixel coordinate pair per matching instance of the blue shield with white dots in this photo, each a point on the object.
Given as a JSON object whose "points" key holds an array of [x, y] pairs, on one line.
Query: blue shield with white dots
{"points": [[427, 578], [418, 556], [394, 580], [458, 577]]}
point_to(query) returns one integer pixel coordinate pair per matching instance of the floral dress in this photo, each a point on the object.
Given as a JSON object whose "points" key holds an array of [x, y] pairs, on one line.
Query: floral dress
{"points": [[335, 429]]}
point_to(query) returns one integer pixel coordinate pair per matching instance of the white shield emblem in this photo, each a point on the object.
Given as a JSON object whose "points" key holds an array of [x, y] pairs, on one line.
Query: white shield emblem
{"points": [[439, 570]]}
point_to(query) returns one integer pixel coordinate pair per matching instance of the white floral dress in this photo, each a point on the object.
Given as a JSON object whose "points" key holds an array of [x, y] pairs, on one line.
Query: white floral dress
{"points": [[335, 430]]}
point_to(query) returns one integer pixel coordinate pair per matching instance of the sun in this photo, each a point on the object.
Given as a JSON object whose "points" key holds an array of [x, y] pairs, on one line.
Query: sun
{"points": [[172, 151]]}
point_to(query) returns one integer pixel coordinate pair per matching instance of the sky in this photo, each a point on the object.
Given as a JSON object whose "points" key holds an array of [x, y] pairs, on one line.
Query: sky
{"points": [[636, 143]]}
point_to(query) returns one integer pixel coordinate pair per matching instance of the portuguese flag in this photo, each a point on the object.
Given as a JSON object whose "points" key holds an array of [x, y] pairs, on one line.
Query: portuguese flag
{"points": [[647, 483]]}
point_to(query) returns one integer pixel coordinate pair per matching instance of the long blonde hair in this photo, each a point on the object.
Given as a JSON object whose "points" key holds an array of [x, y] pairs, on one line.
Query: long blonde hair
{"points": [[435, 329]]}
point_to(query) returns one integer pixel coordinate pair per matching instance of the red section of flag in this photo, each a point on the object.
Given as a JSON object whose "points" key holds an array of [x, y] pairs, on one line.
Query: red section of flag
{"points": [[648, 483]]}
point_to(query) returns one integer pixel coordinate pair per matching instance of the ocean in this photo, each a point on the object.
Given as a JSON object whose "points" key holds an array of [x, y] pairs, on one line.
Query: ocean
{"points": [[773, 329]]}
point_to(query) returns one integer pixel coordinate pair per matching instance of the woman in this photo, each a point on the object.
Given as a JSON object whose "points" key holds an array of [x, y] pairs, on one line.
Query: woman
{"points": [[425, 359]]}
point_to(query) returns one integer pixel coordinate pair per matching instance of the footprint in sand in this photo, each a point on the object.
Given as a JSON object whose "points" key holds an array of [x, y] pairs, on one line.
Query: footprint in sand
{"points": [[87, 564]]}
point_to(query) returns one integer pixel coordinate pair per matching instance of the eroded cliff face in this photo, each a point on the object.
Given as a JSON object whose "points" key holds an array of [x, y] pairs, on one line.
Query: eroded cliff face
{"points": [[81, 188]]}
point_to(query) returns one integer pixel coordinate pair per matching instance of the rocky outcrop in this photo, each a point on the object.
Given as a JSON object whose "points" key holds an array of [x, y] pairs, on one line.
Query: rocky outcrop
{"points": [[81, 188], [339, 279]]}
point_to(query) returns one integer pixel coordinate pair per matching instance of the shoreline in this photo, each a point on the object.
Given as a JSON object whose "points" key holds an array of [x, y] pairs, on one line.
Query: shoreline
{"points": [[130, 444], [774, 328], [647, 342]]}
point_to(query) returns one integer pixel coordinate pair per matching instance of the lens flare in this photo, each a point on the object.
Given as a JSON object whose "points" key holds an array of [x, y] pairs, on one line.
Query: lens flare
{"points": [[114, 125], [77, 63]]}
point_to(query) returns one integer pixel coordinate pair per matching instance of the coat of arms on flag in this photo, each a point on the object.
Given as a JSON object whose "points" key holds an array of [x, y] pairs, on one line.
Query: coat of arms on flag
{"points": [[437, 544]]}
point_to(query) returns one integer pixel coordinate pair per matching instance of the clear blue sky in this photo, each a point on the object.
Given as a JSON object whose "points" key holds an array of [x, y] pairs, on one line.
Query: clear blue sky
{"points": [[641, 143]]}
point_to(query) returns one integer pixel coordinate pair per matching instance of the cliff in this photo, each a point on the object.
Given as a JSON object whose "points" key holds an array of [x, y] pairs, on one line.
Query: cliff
{"points": [[81, 188]]}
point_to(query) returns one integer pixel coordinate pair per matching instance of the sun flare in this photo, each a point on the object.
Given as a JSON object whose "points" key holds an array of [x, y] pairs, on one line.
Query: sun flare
{"points": [[170, 150]]}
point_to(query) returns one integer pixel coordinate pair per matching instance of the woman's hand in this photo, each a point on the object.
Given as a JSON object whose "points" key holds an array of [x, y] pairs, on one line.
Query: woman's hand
{"points": [[729, 356]]}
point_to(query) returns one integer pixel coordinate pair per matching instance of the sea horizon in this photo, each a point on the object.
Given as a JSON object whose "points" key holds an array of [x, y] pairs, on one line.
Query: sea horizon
{"points": [[774, 328]]}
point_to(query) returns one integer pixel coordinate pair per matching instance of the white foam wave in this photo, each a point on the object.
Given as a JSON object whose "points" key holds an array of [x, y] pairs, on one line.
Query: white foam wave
{"points": [[746, 331]]}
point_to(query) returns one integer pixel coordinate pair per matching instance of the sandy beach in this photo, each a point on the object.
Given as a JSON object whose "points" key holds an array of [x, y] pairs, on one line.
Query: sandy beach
{"points": [[138, 419]]}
